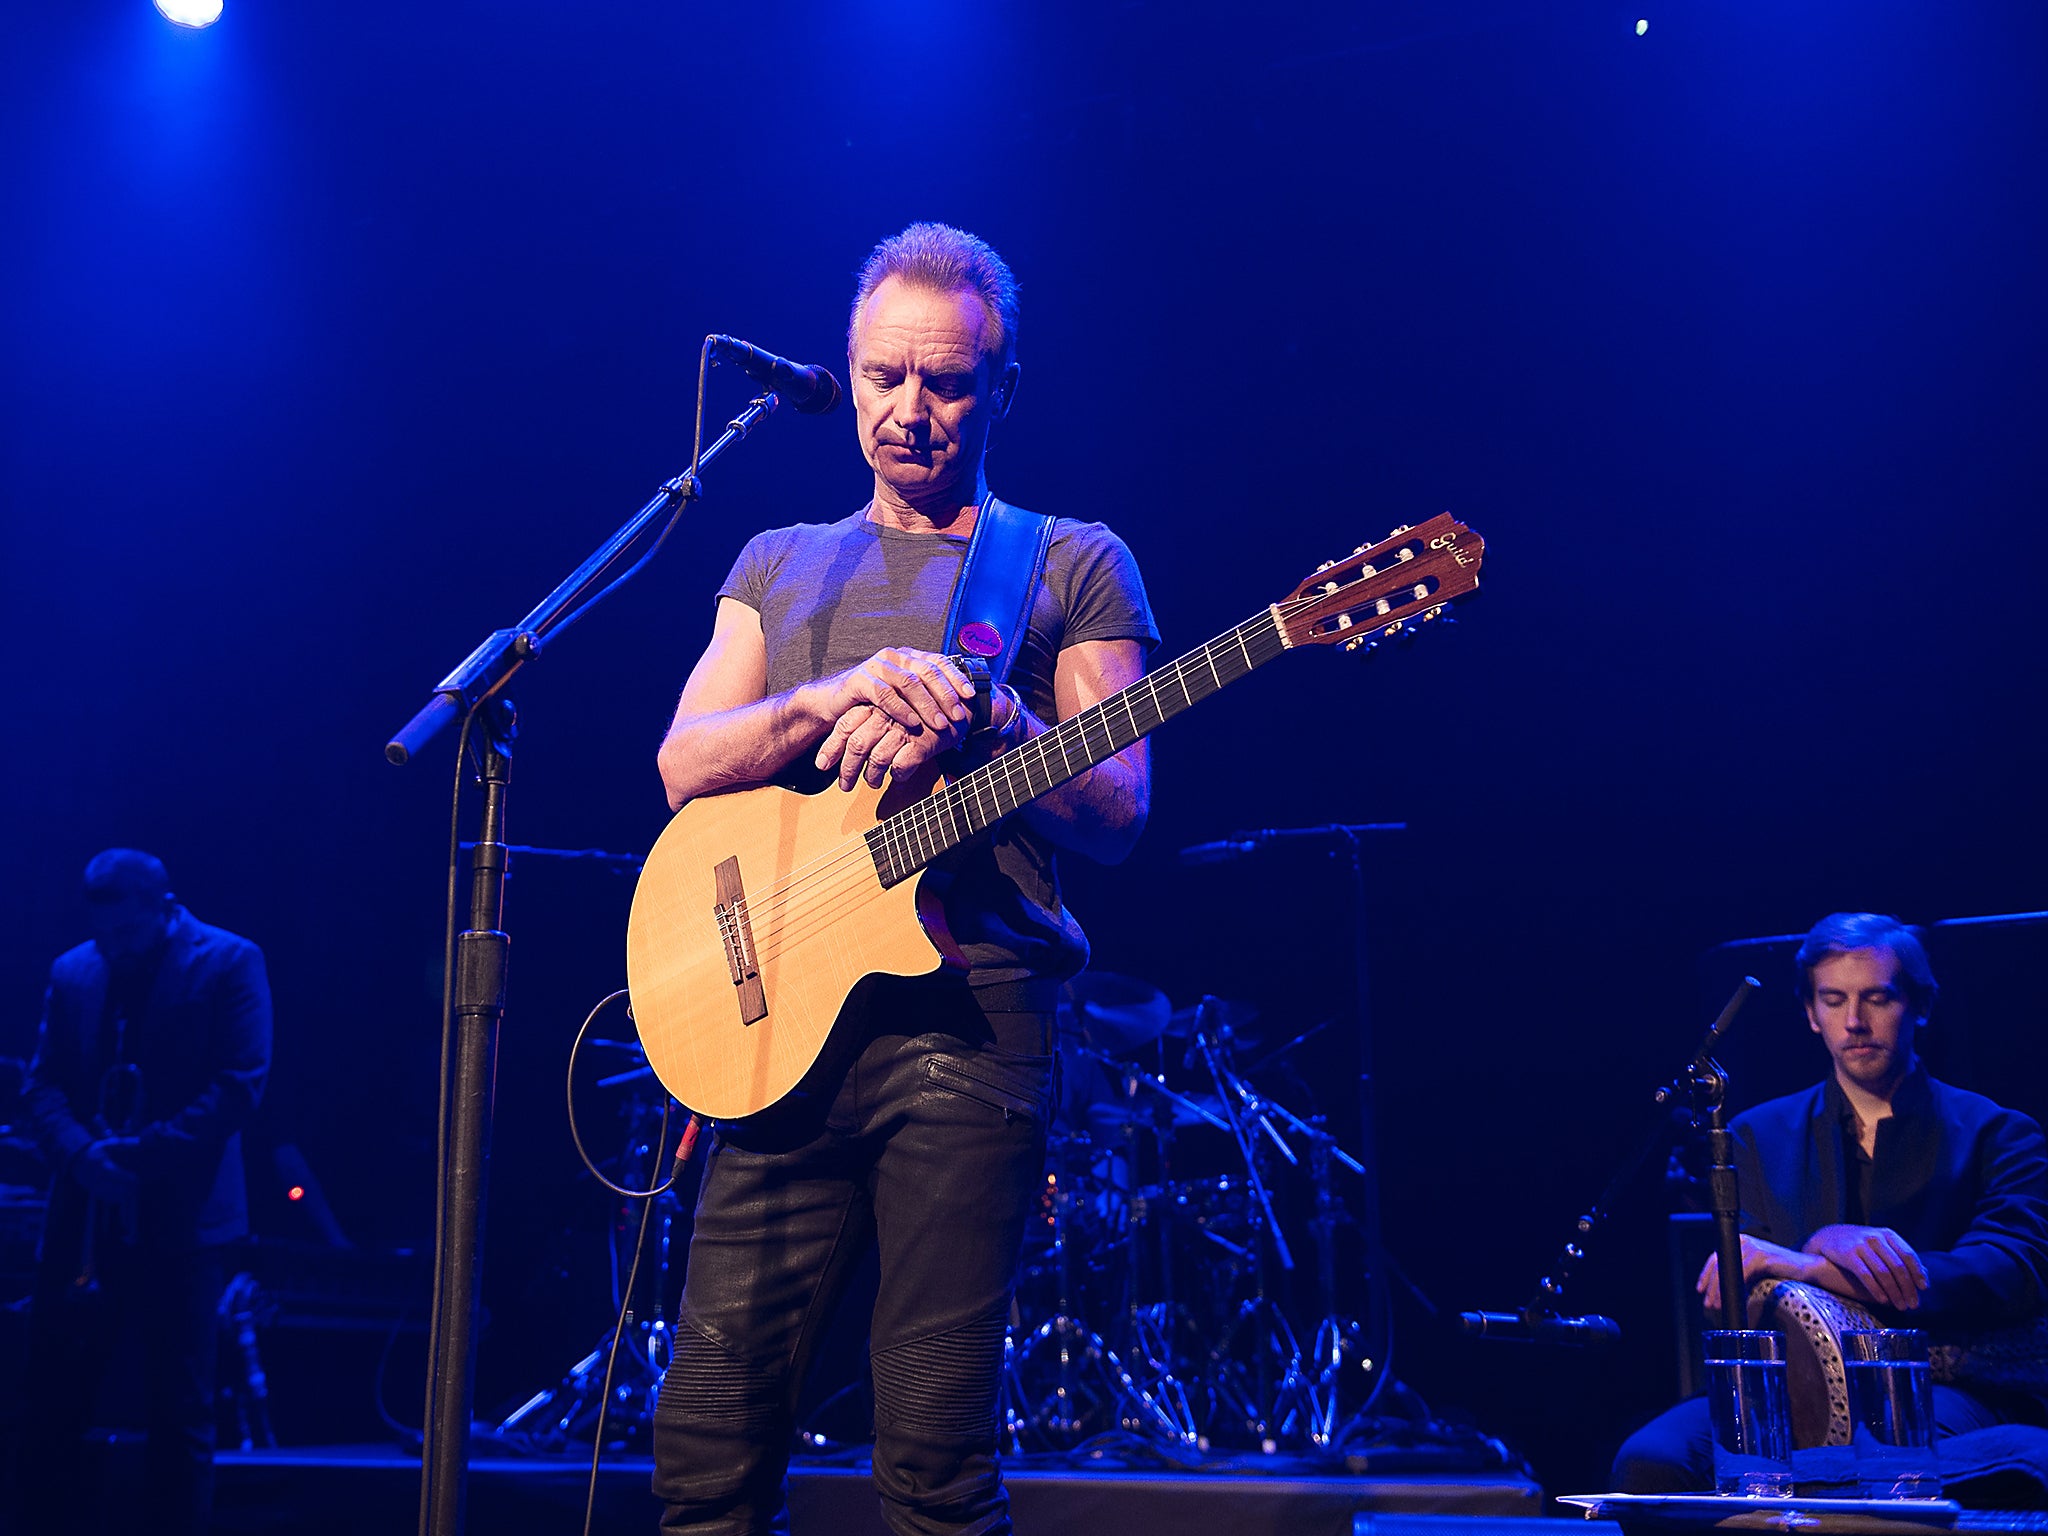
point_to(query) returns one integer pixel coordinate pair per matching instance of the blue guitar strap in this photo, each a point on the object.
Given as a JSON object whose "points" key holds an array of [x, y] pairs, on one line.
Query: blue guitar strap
{"points": [[998, 579]]}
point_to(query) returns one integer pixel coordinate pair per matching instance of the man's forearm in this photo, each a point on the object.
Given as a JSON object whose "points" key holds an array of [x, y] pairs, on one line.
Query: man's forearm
{"points": [[1100, 813], [748, 745]]}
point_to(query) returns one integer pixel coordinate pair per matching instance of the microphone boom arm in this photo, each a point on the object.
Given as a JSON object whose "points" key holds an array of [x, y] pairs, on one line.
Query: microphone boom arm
{"points": [[489, 667]]}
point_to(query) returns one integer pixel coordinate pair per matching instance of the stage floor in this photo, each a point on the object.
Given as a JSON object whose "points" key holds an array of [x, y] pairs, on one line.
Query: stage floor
{"points": [[312, 1491]]}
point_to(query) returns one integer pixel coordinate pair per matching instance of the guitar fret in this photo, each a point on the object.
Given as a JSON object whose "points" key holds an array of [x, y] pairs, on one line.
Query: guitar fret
{"points": [[915, 836]]}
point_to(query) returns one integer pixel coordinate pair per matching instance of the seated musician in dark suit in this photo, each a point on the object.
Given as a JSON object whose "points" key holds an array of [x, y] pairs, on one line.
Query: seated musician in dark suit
{"points": [[1926, 1204], [154, 1048]]}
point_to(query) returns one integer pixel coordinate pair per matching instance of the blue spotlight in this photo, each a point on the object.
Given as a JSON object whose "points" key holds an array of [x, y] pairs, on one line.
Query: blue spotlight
{"points": [[190, 13]]}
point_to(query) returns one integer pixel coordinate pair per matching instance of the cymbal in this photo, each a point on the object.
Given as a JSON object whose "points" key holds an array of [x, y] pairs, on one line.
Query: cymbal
{"points": [[1114, 1014], [1224, 1013], [1181, 1109]]}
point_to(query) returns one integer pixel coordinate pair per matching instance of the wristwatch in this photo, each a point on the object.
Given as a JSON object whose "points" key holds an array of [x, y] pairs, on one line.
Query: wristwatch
{"points": [[1013, 726]]}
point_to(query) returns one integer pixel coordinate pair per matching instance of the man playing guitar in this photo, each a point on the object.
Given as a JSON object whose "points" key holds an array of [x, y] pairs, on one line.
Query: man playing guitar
{"points": [[921, 1128]]}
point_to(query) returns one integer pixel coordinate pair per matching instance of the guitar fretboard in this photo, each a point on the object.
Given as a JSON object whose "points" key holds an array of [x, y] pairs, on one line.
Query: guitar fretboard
{"points": [[906, 842]]}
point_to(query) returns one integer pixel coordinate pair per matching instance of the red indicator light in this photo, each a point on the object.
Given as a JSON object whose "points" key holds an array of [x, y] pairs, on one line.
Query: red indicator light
{"points": [[296, 1192]]}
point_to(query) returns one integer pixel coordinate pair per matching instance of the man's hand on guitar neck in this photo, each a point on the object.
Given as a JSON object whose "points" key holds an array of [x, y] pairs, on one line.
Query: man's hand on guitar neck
{"points": [[896, 711]]}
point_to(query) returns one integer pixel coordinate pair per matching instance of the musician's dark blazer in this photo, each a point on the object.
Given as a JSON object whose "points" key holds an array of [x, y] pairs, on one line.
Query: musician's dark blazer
{"points": [[1962, 1179], [203, 1044]]}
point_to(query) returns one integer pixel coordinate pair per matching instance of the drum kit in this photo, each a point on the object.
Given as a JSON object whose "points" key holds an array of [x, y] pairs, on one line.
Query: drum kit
{"points": [[1158, 1277], [1159, 1290]]}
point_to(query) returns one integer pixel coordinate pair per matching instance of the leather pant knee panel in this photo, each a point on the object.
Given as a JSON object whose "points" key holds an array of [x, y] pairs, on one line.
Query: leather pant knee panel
{"points": [[942, 1387]]}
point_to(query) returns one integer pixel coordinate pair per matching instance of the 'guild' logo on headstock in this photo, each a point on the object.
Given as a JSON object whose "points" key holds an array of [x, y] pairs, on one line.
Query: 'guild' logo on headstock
{"points": [[1449, 541]]}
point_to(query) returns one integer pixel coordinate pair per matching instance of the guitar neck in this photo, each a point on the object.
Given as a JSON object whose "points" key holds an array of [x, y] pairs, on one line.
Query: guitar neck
{"points": [[905, 843]]}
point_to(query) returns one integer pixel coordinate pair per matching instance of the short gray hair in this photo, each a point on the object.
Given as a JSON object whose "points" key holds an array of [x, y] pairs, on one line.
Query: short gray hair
{"points": [[942, 259], [121, 872]]}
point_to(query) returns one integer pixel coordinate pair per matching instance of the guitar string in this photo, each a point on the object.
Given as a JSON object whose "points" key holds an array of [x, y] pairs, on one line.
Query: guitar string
{"points": [[917, 824], [932, 824], [930, 816], [795, 926]]}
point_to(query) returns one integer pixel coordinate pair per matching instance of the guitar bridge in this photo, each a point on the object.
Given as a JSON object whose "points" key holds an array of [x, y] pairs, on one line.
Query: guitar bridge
{"points": [[737, 934]]}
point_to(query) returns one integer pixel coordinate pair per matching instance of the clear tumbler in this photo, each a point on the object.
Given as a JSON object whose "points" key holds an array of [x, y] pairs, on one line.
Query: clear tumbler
{"points": [[1891, 1405], [1746, 1392]]}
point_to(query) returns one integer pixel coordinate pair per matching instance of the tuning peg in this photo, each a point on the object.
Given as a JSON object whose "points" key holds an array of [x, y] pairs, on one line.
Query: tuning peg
{"points": [[1324, 566], [1404, 528]]}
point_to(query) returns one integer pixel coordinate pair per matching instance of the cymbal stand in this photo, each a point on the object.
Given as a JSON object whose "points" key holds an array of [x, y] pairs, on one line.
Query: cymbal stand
{"points": [[1158, 1404], [1338, 1338], [1262, 1405], [1061, 1419], [1238, 1100]]}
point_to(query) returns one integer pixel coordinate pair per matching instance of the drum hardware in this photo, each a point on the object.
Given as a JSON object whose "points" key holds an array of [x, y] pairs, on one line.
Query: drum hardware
{"points": [[1204, 1349], [1058, 1384], [554, 1416], [1112, 1014]]}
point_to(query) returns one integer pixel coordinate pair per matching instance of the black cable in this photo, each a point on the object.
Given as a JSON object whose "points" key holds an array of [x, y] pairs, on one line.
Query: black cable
{"points": [[576, 1135], [611, 1359], [625, 576], [689, 480]]}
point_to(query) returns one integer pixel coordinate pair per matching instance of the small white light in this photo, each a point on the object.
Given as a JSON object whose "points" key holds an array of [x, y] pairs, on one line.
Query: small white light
{"points": [[1642, 28], [190, 13]]}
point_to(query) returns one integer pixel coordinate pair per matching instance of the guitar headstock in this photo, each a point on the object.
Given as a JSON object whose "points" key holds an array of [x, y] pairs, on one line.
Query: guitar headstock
{"points": [[1383, 591]]}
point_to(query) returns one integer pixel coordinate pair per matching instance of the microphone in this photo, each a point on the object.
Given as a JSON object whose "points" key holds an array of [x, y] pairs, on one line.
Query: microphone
{"points": [[1245, 844], [1589, 1332], [1218, 853], [813, 391]]}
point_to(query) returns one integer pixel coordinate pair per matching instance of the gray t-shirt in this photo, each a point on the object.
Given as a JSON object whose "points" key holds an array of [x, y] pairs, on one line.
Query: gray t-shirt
{"points": [[830, 595]]}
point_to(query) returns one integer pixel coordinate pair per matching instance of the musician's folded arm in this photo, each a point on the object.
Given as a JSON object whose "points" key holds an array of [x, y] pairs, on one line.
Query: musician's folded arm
{"points": [[747, 744], [726, 731], [1100, 813]]}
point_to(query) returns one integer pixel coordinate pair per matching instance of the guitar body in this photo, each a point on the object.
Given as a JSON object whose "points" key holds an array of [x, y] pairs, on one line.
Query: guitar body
{"points": [[819, 920]]}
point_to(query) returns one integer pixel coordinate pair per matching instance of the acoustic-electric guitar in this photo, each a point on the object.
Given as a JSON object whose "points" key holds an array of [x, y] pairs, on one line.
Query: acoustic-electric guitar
{"points": [[760, 909]]}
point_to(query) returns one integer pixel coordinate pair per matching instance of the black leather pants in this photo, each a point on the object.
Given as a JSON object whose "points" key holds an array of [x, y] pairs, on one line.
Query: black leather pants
{"points": [[924, 1133]]}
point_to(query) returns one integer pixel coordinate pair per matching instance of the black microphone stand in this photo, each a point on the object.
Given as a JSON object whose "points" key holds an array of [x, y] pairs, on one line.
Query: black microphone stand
{"points": [[1705, 1084], [1706, 1081], [472, 692]]}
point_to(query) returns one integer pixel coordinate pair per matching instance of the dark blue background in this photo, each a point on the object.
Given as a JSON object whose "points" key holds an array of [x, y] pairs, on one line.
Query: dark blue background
{"points": [[333, 339]]}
